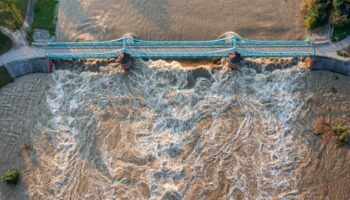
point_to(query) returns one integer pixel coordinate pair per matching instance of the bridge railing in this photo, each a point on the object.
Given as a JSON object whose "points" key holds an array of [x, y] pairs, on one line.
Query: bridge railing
{"points": [[116, 42], [244, 41], [109, 54], [229, 41], [219, 42], [126, 44]]}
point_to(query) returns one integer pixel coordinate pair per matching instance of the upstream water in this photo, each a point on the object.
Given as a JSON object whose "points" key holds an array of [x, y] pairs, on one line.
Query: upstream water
{"points": [[167, 132], [179, 19]]}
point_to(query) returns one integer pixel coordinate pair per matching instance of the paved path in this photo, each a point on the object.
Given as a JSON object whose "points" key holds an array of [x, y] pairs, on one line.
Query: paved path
{"points": [[330, 49], [22, 53]]}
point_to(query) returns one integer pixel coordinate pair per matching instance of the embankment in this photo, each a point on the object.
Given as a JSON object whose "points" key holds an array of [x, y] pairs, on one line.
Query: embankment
{"points": [[332, 65], [11, 71]]}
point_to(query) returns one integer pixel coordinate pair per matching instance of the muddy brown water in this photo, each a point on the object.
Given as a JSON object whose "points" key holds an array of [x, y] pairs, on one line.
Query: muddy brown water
{"points": [[164, 131], [167, 132], [179, 19]]}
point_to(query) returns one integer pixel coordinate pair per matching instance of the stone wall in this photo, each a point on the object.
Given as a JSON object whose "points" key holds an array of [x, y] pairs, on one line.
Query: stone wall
{"points": [[22, 68], [327, 64]]}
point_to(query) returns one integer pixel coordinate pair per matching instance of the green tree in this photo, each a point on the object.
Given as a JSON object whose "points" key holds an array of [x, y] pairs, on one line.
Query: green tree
{"points": [[338, 19], [316, 13], [11, 14]]}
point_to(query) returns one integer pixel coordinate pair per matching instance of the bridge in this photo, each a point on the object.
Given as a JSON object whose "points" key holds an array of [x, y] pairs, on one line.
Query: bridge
{"points": [[138, 48]]}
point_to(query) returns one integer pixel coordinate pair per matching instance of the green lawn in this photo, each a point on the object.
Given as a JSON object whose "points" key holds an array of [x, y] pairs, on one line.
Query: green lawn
{"points": [[4, 77], [44, 17], [12, 13]]}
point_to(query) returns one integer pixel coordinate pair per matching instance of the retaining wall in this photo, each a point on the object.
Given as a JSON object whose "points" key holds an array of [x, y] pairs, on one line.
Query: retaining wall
{"points": [[21, 68], [328, 64]]}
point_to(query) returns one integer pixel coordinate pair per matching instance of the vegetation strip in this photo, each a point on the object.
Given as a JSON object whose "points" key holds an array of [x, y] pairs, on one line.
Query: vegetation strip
{"points": [[318, 13], [44, 17], [12, 13]]}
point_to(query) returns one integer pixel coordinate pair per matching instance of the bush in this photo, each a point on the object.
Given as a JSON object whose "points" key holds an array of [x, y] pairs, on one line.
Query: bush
{"points": [[338, 19], [10, 176], [316, 13], [342, 133], [342, 54]]}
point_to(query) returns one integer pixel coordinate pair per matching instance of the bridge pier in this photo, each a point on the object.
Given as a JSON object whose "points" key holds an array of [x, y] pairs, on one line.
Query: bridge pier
{"points": [[125, 60], [234, 59]]}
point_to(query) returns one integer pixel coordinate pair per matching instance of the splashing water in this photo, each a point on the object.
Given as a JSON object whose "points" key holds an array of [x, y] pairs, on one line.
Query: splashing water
{"points": [[171, 132]]}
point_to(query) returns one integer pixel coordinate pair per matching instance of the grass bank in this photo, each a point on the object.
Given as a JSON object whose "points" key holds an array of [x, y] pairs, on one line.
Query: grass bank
{"points": [[5, 77], [45, 17], [12, 13]]}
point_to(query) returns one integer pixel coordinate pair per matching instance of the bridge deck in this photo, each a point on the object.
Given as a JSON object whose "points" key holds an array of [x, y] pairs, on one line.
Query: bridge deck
{"points": [[168, 49]]}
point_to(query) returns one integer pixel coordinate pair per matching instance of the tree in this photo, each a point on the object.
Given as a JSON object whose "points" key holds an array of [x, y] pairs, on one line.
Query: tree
{"points": [[316, 13]]}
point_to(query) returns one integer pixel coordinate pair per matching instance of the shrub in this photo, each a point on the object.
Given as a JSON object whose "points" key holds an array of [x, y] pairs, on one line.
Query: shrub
{"points": [[316, 13], [338, 19], [342, 133], [10, 176], [342, 54]]}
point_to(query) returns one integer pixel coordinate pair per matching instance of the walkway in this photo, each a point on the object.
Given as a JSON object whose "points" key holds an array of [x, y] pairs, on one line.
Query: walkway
{"points": [[330, 49], [178, 49], [174, 49]]}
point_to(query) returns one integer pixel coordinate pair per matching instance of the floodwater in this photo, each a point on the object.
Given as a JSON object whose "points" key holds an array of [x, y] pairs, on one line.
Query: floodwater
{"points": [[81, 20], [163, 131]]}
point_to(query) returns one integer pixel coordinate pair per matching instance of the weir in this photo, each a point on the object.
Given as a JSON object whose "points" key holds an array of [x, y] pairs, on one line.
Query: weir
{"points": [[178, 49]]}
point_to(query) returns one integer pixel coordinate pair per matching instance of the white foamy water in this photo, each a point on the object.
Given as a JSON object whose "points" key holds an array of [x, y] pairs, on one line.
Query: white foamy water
{"points": [[163, 132]]}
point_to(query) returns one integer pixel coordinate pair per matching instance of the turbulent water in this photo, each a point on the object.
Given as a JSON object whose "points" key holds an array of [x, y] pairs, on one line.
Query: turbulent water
{"points": [[171, 133], [162, 131]]}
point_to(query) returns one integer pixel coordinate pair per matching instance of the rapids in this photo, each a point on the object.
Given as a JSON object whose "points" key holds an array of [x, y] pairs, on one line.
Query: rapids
{"points": [[166, 132]]}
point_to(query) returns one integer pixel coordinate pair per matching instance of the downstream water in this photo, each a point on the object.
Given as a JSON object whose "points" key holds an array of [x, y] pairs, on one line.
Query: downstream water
{"points": [[167, 132]]}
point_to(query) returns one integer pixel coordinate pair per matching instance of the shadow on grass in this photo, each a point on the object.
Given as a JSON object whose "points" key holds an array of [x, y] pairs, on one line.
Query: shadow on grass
{"points": [[5, 43], [5, 77]]}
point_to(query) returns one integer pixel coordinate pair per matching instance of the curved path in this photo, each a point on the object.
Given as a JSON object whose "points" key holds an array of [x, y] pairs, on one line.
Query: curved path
{"points": [[330, 49]]}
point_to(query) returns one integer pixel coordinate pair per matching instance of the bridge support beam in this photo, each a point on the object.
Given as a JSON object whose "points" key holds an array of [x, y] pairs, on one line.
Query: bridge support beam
{"points": [[50, 65]]}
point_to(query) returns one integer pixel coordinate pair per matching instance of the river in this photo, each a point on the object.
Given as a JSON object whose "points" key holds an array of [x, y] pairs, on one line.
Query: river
{"points": [[169, 131], [179, 19]]}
